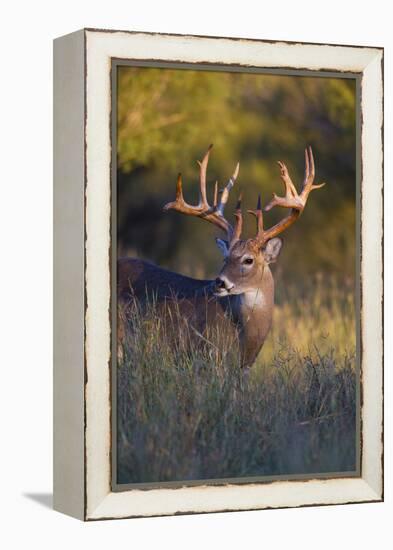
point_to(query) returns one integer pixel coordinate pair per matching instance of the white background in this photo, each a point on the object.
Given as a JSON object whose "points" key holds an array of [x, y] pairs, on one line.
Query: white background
{"points": [[26, 287]]}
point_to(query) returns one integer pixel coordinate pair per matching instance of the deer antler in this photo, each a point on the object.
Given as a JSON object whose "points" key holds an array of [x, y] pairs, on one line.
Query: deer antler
{"points": [[259, 218], [292, 199], [213, 214]]}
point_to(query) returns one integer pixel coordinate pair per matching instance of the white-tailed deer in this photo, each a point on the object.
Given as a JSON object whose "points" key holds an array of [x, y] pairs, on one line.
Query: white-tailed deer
{"points": [[242, 295]]}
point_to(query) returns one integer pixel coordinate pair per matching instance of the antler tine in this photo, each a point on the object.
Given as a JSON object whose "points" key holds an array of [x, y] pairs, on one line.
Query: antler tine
{"points": [[225, 192], [215, 214], [202, 178], [259, 217], [309, 173], [291, 196], [296, 202], [179, 203], [238, 221], [179, 189], [215, 198]]}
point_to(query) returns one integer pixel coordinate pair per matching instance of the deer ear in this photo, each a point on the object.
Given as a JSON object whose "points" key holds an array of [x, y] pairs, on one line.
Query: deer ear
{"points": [[223, 246], [272, 250]]}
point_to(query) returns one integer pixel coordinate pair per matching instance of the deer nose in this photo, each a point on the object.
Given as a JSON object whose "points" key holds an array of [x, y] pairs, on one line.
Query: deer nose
{"points": [[223, 284], [220, 283]]}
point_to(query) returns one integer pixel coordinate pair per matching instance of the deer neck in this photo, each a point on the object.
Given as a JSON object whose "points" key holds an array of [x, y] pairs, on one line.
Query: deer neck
{"points": [[254, 312]]}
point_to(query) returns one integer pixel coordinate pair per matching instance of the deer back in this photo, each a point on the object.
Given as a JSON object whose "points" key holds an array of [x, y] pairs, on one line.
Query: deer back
{"points": [[181, 302]]}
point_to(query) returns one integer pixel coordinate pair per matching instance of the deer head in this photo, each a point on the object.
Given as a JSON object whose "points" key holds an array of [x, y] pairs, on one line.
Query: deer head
{"points": [[246, 260]]}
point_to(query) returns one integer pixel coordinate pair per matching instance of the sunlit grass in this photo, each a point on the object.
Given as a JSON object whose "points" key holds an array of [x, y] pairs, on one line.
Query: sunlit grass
{"points": [[320, 314], [187, 411]]}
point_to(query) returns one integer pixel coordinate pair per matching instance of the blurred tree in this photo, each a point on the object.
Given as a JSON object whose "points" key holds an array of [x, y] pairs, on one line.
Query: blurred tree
{"points": [[167, 118]]}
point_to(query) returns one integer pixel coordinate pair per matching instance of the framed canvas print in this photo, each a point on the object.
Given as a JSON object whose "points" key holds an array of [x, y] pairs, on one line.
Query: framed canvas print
{"points": [[218, 274]]}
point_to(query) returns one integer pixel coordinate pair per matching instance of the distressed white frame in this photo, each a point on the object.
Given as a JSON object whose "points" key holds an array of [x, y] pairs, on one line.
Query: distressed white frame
{"points": [[100, 48]]}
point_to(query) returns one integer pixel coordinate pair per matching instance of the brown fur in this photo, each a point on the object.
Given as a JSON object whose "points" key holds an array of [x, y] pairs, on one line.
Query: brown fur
{"points": [[247, 310]]}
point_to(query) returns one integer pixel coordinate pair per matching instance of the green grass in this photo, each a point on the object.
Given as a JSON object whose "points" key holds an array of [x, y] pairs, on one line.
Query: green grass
{"points": [[187, 412]]}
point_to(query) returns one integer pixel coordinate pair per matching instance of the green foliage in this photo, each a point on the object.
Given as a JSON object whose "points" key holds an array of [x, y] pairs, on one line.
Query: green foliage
{"points": [[166, 120], [186, 411], [166, 115]]}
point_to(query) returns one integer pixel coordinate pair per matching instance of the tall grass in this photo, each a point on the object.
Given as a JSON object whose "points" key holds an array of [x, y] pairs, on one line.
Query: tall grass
{"points": [[187, 412]]}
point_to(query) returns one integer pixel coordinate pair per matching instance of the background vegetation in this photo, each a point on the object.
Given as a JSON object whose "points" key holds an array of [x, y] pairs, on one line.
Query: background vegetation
{"points": [[191, 414]]}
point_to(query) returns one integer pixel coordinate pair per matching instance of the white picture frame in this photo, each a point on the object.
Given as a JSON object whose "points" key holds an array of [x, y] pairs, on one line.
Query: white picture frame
{"points": [[82, 242]]}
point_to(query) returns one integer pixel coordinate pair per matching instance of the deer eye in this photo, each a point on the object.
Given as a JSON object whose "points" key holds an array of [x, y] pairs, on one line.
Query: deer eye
{"points": [[248, 261]]}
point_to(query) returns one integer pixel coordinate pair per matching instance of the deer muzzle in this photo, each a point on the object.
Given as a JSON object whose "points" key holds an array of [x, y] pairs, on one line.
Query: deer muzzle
{"points": [[223, 286]]}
